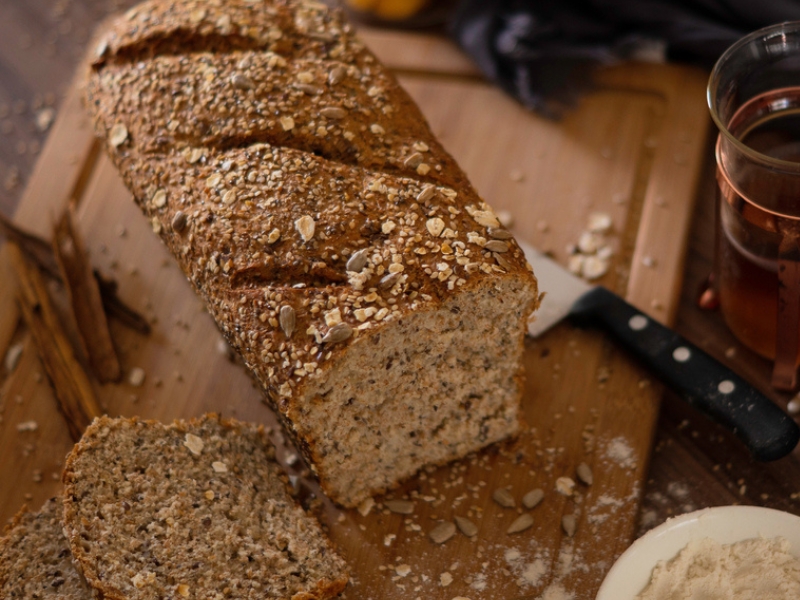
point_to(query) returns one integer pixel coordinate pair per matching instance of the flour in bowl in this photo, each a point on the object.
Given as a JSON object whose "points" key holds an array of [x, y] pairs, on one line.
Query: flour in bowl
{"points": [[753, 569]]}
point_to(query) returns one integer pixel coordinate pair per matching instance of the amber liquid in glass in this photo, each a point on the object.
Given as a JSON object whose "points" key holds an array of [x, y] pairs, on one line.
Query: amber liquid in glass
{"points": [[749, 237]]}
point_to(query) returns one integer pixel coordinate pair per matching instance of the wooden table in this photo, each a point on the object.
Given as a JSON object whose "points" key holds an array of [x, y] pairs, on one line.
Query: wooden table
{"points": [[694, 463]]}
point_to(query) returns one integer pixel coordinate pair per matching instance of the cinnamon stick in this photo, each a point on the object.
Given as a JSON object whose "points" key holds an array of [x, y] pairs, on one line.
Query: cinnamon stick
{"points": [[40, 252], [73, 389], [85, 301]]}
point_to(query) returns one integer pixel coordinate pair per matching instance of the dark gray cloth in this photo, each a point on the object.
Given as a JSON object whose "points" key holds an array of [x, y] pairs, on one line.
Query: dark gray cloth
{"points": [[543, 51]]}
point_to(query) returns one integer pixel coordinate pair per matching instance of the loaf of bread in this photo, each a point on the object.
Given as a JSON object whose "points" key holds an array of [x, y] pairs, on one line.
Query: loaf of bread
{"points": [[195, 509], [342, 252], [35, 561]]}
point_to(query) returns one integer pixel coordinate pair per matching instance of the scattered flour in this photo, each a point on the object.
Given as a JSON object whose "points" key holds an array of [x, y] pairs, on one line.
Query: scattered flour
{"points": [[753, 569], [619, 451]]}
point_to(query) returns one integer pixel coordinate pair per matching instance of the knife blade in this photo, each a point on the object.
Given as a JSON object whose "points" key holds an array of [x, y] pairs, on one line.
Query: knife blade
{"points": [[705, 383]]}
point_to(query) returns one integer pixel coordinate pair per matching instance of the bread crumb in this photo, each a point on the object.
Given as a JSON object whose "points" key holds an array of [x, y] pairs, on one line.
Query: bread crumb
{"points": [[565, 486], [366, 506], [27, 426], [445, 579]]}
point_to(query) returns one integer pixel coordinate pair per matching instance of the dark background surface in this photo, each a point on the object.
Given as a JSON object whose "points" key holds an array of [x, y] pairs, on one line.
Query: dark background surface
{"points": [[694, 463]]}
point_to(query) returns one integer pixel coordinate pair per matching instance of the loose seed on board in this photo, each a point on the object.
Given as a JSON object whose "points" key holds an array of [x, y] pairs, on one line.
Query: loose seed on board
{"points": [[504, 498], [442, 532], [357, 261], [584, 473], [569, 524], [337, 333], [179, 222], [400, 507], [287, 318], [521, 523], [532, 498], [467, 527]]}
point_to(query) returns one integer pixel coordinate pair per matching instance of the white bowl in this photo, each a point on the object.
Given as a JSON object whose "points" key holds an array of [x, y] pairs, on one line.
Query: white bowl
{"points": [[724, 524]]}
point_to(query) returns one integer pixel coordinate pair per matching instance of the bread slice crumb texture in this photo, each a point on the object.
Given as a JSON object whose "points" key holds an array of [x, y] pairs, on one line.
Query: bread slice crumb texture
{"points": [[35, 561], [195, 509]]}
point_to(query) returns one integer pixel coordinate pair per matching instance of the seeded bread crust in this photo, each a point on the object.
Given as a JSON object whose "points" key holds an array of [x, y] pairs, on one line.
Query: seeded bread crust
{"points": [[35, 561], [374, 295], [196, 509]]}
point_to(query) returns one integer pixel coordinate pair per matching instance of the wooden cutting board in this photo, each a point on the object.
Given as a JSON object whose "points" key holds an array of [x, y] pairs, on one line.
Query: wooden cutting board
{"points": [[631, 150]]}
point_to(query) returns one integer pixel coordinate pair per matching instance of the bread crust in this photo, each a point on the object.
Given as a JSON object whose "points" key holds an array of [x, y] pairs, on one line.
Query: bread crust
{"points": [[298, 185]]}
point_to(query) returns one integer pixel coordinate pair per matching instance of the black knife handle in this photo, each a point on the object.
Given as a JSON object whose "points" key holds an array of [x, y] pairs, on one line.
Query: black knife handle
{"points": [[706, 384]]}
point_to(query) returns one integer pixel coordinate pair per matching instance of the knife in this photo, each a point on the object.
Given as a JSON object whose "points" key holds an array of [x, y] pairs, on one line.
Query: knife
{"points": [[706, 384]]}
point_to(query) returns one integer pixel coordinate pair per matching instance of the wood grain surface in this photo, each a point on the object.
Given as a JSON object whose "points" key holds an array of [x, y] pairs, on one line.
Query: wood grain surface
{"points": [[633, 150]]}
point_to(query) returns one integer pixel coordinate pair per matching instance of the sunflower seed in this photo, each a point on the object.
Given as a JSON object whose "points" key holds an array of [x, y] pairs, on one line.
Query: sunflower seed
{"points": [[521, 523], [414, 160], [531, 499], [504, 498], [496, 246], [333, 112], [387, 283], [357, 261], [400, 507], [336, 75], [118, 135], [467, 527], [502, 261], [584, 473], [242, 82], [287, 318], [308, 88], [179, 222], [499, 234], [569, 524], [442, 532], [426, 194], [337, 333]]}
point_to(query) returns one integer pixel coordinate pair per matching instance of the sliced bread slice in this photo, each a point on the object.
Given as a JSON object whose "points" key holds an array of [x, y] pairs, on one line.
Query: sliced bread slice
{"points": [[196, 509], [35, 561]]}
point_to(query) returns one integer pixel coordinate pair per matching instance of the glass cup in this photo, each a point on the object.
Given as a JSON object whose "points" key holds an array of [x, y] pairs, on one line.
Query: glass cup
{"points": [[754, 98]]}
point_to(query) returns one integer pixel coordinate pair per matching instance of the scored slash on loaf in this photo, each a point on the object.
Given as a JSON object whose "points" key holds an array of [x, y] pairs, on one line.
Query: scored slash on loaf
{"points": [[340, 249]]}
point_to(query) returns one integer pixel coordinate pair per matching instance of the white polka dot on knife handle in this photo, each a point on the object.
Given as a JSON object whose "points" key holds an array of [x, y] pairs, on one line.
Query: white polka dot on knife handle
{"points": [[681, 354], [726, 387], [637, 322]]}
